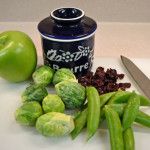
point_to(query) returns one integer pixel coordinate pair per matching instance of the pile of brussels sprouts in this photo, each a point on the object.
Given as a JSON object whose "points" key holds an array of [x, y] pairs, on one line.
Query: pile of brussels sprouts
{"points": [[46, 111]]}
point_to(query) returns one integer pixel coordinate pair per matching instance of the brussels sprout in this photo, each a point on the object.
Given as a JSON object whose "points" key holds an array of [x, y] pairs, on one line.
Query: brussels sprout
{"points": [[34, 92], [72, 94], [53, 103], [55, 124], [28, 113], [62, 75], [43, 75]]}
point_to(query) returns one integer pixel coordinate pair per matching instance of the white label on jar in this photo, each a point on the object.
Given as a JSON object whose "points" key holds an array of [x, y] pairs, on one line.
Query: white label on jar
{"points": [[76, 68], [66, 56]]}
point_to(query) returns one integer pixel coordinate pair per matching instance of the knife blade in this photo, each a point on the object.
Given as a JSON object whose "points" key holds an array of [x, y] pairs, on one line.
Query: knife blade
{"points": [[139, 77]]}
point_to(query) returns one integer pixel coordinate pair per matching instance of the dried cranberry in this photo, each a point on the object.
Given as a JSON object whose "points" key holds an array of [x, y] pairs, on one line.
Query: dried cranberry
{"points": [[120, 76], [100, 69], [127, 85], [111, 73], [112, 87], [89, 74], [103, 81]]}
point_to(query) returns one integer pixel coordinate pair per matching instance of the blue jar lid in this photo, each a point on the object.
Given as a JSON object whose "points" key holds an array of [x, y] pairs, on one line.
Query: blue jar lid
{"points": [[68, 24]]}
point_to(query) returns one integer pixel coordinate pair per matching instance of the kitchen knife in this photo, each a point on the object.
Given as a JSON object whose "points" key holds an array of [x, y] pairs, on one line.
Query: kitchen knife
{"points": [[140, 78]]}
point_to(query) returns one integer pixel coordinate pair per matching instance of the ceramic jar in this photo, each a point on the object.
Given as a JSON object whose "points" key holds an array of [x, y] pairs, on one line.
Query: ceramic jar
{"points": [[68, 40]]}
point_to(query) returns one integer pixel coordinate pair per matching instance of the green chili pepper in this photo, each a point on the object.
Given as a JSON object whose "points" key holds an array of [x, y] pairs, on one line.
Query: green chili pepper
{"points": [[115, 129], [93, 111], [119, 108], [104, 98], [128, 137], [119, 97], [80, 122], [144, 101], [143, 119], [123, 96], [131, 111]]}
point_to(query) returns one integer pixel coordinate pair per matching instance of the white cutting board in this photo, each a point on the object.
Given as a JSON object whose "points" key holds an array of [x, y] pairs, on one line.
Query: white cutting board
{"points": [[16, 137]]}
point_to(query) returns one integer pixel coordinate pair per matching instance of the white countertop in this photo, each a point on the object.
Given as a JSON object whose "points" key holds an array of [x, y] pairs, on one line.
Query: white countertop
{"points": [[112, 39], [16, 137]]}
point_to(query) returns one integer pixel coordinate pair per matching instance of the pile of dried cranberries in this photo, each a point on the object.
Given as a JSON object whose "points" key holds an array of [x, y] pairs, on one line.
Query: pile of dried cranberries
{"points": [[104, 81]]}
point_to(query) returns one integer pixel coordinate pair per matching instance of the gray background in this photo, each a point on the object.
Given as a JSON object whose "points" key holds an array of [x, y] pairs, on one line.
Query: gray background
{"points": [[101, 10]]}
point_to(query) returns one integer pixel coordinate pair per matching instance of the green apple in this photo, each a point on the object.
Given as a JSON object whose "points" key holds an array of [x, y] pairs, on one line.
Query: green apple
{"points": [[18, 57]]}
